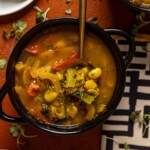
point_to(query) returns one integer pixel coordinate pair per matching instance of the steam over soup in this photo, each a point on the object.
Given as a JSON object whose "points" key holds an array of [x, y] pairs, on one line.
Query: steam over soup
{"points": [[54, 91]]}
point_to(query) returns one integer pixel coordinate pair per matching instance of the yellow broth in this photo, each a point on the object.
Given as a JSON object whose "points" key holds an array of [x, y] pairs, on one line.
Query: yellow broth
{"points": [[47, 101]]}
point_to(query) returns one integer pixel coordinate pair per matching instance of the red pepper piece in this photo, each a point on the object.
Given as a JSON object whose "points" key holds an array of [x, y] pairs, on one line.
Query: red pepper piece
{"points": [[63, 64], [33, 88]]}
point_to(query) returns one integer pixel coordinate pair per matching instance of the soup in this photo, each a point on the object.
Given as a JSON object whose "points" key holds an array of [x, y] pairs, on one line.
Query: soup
{"points": [[57, 92], [142, 3]]}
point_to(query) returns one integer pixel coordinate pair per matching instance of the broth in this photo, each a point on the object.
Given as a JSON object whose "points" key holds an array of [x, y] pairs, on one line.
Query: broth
{"points": [[57, 93]]}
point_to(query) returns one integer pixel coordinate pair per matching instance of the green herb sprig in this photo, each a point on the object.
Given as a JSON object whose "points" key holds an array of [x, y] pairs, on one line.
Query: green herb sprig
{"points": [[144, 120], [17, 131], [140, 22], [17, 30], [135, 117], [41, 15]]}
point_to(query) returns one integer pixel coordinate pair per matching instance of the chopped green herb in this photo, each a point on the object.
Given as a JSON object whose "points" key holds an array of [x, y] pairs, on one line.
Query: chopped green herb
{"points": [[2, 63], [17, 131], [17, 30], [19, 26], [146, 120], [140, 22], [146, 117], [136, 117], [13, 129], [41, 15]]}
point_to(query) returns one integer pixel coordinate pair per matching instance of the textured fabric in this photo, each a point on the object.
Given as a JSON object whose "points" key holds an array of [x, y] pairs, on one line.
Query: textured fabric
{"points": [[136, 97]]}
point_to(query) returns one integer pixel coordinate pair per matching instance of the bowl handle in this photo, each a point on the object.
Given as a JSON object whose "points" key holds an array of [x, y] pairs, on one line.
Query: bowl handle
{"points": [[3, 115], [131, 50]]}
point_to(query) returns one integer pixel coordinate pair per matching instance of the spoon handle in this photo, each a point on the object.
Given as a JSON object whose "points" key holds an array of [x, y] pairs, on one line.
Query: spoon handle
{"points": [[82, 19]]}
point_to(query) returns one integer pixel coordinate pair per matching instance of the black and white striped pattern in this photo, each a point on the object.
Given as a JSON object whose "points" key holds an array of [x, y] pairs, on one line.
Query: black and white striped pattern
{"points": [[136, 97]]}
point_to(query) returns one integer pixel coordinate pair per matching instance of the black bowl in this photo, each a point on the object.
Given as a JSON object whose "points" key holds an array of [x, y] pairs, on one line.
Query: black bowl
{"points": [[121, 65], [137, 7]]}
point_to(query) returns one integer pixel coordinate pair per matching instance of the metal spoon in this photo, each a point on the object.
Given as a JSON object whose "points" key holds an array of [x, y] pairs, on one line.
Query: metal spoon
{"points": [[82, 20]]}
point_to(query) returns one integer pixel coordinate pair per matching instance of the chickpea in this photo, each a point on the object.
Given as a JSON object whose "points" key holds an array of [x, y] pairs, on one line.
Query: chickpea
{"points": [[94, 92], [95, 73], [90, 84], [49, 96]]}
